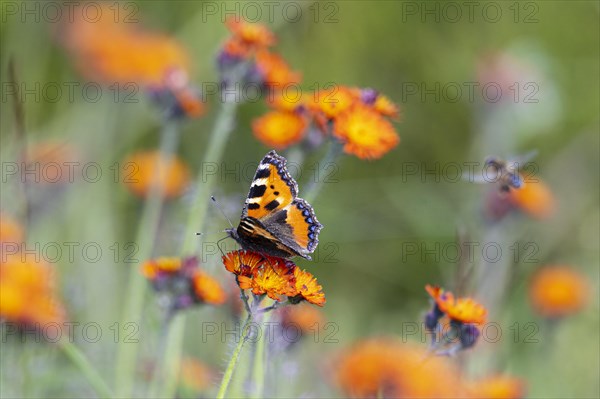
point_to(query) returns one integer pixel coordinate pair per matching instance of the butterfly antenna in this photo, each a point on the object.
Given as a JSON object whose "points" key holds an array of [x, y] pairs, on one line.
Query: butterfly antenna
{"points": [[212, 197]]}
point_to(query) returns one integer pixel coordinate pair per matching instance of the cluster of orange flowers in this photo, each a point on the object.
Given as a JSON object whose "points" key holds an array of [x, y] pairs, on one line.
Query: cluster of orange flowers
{"points": [[183, 282], [246, 57], [274, 277], [119, 52], [358, 118], [464, 314], [27, 292], [386, 367]]}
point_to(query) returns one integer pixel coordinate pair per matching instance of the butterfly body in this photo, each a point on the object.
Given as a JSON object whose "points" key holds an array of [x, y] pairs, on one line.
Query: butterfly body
{"points": [[274, 220]]}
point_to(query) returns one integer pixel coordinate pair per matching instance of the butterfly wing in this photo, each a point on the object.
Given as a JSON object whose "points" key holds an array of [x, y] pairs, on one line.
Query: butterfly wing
{"points": [[274, 220], [272, 188]]}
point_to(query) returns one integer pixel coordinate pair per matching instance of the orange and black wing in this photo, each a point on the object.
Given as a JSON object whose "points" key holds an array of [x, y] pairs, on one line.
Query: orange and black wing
{"points": [[272, 188]]}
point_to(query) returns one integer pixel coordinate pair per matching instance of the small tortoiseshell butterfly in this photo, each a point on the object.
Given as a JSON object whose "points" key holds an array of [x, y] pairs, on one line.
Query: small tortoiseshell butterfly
{"points": [[274, 220]]}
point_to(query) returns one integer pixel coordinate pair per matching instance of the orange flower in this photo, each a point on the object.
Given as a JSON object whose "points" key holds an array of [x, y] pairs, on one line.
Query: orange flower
{"points": [[334, 100], [275, 278], [274, 70], [114, 51], [498, 387], [151, 268], [534, 198], [208, 289], [306, 318], [243, 263], [196, 375], [464, 310], [307, 288], [279, 129], [557, 291], [385, 367], [386, 107], [285, 101], [27, 292], [437, 293], [252, 36], [365, 133], [151, 168], [11, 231]]}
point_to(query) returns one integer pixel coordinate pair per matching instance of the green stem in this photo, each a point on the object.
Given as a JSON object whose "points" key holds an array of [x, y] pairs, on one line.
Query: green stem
{"points": [[214, 152], [234, 360], [172, 358], [79, 359], [334, 151], [258, 368], [147, 232]]}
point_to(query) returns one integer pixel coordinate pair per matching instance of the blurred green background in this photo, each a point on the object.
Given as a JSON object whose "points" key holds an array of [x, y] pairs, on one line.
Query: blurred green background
{"points": [[373, 208]]}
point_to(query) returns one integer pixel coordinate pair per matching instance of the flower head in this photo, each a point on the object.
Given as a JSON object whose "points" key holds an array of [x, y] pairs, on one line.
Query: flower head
{"points": [[274, 70], [307, 288], [182, 282], [388, 368], [334, 100], [27, 292], [464, 310], [557, 291], [208, 289], [109, 50], [150, 168], [302, 317], [279, 129], [365, 133], [498, 387], [243, 263], [274, 278], [250, 35], [534, 198]]}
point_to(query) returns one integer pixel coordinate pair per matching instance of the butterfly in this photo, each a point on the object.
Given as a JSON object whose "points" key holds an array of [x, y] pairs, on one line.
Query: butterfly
{"points": [[275, 221]]}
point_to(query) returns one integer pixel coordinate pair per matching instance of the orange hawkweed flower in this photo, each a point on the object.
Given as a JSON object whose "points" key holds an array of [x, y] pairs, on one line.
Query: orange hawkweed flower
{"points": [[535, 199], [168, 265], [113, 51], [27, 293], [385, 367], [386, 107], [252, 36], [334, 100], [275, 278], [183, 281], [243, 263], [304, 317], [465, 310], [279, 129], [11, 231], [208, 289], [498, 387], [151, 168], [365, 133], [274, 70], [307, 288], [558, 291]]}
